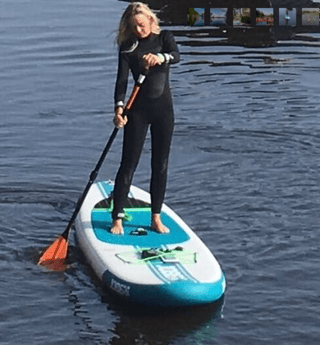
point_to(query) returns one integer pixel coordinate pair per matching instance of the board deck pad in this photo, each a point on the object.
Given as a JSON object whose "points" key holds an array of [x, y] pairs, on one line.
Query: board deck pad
{"points": [[138, 218]]}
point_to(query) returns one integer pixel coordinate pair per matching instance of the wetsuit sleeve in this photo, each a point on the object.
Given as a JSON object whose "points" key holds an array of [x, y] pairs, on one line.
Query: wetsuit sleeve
{"points": [[122, 79], [170, 49]]}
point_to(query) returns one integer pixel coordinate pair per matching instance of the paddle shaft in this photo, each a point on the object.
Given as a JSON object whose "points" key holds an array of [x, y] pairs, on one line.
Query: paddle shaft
{"points": [[95, 172]]}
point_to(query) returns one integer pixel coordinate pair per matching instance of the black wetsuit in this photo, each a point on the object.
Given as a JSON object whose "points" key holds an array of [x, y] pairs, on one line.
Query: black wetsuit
{"points": [[153, 107]]}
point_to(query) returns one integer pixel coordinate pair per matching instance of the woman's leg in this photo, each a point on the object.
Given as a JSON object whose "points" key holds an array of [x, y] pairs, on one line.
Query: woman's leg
{"points": [[134, 137], [161, 134]]}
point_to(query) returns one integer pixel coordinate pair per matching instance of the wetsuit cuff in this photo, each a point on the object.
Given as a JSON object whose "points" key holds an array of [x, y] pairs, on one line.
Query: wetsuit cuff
{"points": [[118, 104], [168, 57], [118, 216]]}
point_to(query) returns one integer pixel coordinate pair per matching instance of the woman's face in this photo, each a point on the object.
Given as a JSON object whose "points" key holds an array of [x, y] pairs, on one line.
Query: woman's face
{"points": [[142, 25]]}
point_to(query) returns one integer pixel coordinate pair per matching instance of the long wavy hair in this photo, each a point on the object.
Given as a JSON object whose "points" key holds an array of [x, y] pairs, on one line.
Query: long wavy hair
{"points": [[125, 31]]}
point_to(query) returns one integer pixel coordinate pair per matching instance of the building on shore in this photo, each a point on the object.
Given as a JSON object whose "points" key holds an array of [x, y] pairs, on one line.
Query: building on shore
{"points": [[245, 22]]}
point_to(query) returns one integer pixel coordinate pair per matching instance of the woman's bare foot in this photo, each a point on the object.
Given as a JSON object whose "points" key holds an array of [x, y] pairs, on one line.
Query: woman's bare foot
{"points": [[116, 227], [157, 224]]}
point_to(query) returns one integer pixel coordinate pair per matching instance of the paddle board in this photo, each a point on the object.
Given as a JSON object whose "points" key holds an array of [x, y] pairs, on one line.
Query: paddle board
{"points": [[143, 266]]}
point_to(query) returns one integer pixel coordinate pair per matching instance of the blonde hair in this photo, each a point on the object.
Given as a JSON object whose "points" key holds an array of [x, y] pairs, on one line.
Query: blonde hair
{"points": [[125, 32]]}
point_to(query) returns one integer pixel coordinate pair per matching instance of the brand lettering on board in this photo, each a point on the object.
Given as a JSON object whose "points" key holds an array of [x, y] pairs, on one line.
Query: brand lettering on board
{"points": [[121, 289], [171, 273]]}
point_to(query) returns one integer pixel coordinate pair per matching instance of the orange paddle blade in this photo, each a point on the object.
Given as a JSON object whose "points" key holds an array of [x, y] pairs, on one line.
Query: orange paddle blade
{"points": [[56, 251], [58, 265]]}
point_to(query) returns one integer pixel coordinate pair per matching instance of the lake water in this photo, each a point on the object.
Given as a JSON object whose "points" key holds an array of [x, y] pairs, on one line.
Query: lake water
{"points": [[244, 174]]}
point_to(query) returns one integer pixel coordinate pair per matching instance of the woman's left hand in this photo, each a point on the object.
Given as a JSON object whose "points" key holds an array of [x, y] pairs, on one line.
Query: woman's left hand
{"points": [[151, 60]]}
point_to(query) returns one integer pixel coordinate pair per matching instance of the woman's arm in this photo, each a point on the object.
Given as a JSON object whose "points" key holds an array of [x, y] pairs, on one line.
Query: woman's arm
{"points": [[122, 80], [170, 49], [121, 89], [170, 53]]}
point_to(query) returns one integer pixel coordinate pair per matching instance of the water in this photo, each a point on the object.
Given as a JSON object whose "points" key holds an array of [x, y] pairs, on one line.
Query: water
{"points": [[218, 21], [244, 174], [287, 17]]}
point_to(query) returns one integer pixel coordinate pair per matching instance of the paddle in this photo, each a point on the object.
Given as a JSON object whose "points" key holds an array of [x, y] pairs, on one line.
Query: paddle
{"points": [[56, 253]]}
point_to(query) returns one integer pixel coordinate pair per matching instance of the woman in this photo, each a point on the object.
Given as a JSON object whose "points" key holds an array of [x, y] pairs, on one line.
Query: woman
{"points": [[143, 45]]}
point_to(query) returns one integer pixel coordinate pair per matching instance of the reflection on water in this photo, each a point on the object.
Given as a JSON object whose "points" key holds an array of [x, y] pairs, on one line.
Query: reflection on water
{"points": [[217, 22], [288, 16], [165, 326]]}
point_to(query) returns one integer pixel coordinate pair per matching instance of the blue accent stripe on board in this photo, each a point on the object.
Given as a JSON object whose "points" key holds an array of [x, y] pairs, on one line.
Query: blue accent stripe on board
{"points": [[156, 272], [168, 272], [183, 269], [185, 272]]}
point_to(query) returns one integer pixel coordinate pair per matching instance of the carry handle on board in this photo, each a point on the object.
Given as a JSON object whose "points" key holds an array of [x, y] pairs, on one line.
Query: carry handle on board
{"points": [[55, 254]]}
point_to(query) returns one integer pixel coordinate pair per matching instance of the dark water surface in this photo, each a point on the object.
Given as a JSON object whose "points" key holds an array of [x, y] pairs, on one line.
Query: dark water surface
{"points": [[244, 174]]}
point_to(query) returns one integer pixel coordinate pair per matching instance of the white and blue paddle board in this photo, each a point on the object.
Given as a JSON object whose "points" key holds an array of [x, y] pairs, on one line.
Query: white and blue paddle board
{"points": [[143, 266]]}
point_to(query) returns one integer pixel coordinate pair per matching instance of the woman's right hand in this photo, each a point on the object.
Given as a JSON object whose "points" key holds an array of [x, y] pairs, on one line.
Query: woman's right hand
{"points": [[118, 120]]}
